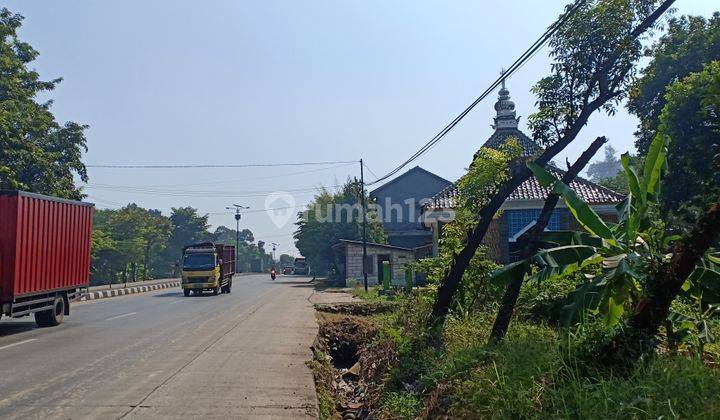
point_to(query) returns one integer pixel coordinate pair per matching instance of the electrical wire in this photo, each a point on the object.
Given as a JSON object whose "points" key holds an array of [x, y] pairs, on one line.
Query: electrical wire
{"points": [[529, 53], [370, 170], [231, 181], [206, 166], [199, 193]]}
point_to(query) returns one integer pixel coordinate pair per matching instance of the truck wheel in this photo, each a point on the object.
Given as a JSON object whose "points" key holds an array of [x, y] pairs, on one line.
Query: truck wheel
{"points": [[186, 292], [52, 317], [226, 288]]}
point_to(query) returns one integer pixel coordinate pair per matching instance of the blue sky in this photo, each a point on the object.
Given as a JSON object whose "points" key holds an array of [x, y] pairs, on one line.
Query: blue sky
{"points": [[218, 82]]}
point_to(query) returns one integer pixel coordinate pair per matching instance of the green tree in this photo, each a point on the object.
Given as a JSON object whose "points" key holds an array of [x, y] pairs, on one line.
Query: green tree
{"points": [[188, 227], [690, 43], [618, 182], [286, 260], [138, 236], [225, 235], [106, 261], [687, 45], [488, 169], [691, 117], [37, 154], [329, 218], [643, 266], [607, 168], [594, 54]]}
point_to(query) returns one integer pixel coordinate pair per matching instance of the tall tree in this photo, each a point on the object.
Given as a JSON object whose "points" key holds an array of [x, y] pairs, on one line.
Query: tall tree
{"points": [[690, 43], [37, 154], [226, 235], [607, 168], [533, 244], [187, 227], [138, 235], [594, 55], [691, 118], [329, 218]]}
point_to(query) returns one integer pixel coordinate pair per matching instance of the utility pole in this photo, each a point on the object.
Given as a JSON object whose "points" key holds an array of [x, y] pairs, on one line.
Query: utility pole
{"points": [[364, 225], [273, 254], [238, 216]]}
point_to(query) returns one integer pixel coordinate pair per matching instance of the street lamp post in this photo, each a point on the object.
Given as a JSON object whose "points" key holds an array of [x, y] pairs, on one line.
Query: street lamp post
{"points": [[274, 247], [238, 216]]}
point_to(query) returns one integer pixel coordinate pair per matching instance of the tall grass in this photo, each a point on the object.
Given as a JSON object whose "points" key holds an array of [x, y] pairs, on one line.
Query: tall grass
{"points": [[535, 373]]}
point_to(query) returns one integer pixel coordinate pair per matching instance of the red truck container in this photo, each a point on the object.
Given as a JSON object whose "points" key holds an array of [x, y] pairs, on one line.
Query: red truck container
{"points": [[44, 255], [228, 257]]}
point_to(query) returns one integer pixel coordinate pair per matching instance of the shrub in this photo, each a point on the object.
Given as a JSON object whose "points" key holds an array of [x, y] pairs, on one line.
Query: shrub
{"points": [[544, 301], [401, 406]]}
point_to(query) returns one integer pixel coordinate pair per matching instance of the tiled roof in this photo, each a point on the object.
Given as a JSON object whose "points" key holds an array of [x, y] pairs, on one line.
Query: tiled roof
{"points": [[589, 191], [500, 136], [505, 127]]}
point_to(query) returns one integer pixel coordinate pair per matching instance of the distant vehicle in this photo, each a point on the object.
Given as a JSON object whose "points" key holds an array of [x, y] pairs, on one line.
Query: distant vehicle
{"points": [[288, 269], [208, 266], [300, 267], [273, 273], [44, 255]]}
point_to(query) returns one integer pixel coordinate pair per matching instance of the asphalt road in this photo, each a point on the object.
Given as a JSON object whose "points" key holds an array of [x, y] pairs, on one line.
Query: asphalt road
{"points": [[161, 355]]}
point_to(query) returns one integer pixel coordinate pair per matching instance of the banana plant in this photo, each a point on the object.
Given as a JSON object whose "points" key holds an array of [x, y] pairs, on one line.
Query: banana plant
{"points": [[626, 251], [697, 325]]}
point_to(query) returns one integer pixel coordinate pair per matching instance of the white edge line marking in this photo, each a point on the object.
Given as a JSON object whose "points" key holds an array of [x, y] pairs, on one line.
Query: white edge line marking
{"points": [[17, 344], [120, 316]]}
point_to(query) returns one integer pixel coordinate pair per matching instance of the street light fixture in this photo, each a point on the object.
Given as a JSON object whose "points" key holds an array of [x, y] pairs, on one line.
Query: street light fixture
{"points": [[237, 208], [274, 247]]}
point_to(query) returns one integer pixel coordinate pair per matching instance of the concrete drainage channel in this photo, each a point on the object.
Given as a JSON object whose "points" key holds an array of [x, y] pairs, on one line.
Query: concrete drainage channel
{"points": [[103, 294]]}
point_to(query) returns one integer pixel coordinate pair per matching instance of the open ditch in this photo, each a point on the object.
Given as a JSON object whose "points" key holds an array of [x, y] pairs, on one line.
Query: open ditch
{"points": [[350, 363]]}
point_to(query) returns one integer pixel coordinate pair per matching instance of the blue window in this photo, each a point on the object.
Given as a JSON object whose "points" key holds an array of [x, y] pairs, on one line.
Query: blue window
{"points": [[518, 220]]}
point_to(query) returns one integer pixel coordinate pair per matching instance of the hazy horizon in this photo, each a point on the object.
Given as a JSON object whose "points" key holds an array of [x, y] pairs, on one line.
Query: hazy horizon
{"points": [[226, 82]]}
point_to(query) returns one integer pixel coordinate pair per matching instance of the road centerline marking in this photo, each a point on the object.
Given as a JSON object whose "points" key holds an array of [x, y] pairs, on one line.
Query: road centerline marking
{"points": [[120, 316], [177, 301], [18, 343]]}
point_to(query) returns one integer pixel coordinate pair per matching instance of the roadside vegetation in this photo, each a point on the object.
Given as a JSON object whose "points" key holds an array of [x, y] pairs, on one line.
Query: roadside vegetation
{"points": [[331, 216], [133, 243], [619, 319]]}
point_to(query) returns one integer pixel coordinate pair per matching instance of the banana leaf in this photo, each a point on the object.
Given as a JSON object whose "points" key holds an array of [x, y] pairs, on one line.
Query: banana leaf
{"points": [[571, 237], [506, 274], [655, 162], [562, 260], [632, 178], [585, 298], [584, 214]]}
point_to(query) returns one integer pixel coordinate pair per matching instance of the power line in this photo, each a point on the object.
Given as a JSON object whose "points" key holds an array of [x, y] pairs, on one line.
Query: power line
{"points": [[539, 43], [230, 181], [370, 170], [206, 166], [257, 210], [199, 193]]}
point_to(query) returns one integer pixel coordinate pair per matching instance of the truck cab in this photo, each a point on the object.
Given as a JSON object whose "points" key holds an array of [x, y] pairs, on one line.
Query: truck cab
{"points": [[300, 267], [203, 268]]}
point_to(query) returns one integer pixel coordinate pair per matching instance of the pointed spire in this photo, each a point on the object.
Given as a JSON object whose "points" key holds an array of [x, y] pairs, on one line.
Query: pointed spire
{"points": [[505, 109]]}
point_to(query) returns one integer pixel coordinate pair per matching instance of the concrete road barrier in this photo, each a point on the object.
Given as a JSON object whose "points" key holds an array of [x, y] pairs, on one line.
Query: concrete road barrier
{"points": [[103, 294]]}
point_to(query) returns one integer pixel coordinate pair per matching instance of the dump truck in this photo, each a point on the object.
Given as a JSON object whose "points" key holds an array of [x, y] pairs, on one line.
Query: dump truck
{"points": [[207, 266], [44, 255]]}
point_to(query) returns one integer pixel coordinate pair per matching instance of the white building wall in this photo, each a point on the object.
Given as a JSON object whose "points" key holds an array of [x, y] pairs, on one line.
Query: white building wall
{"points": [[354, 269]]}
